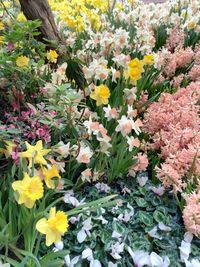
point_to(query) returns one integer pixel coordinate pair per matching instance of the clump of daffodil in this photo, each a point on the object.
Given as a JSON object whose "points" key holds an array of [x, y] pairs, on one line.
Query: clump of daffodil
{"points": [[29, 190], [148, 59], [101, 94], [37, 152], [53, 227], [52, 56], [9, 147], [22, 61], [49, 174], [135, 70]]}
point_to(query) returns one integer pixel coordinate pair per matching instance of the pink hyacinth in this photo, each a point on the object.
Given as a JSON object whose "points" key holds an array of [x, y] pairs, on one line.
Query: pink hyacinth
{"points": [[191, 213], [176, 39], [142, 163], [174, 127], [194, 73]]}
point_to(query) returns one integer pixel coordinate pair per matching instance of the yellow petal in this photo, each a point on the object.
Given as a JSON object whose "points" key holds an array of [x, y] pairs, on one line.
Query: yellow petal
{"points": [[52, 213], [17, 186], [93, 96], [22, 199], [29, 203], [39, 145], [40, 160], [42, 226], [52, 237]]}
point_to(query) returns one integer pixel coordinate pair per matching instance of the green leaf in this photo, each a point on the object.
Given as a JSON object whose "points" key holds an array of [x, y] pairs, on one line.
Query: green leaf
{"points": [[141, 202], [159, 216], [47, 259], [118, 227], [146, 218]]}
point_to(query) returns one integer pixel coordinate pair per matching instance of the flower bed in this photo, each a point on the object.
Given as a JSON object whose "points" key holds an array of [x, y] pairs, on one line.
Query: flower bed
{"points": [[100, 135]]}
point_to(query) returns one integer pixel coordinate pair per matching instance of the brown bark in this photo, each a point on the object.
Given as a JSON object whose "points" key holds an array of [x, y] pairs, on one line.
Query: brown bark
{"points": [[40, 9]]}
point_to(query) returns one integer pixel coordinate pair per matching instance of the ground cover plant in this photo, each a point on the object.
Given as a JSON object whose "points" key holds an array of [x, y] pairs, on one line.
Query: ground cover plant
{"points": [[99, 134]]}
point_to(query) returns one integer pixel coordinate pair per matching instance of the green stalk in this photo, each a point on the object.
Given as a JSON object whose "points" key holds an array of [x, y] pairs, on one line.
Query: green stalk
{"points": [[178, 202]]}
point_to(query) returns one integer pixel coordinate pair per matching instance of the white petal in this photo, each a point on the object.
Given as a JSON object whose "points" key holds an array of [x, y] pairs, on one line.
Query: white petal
{"points": [[141, 258], [142, 180], [163, 227], [130, 251], [95, 263], [156, 260], [59, 245], [116, 256], [116, 235], [195, 263], [87, 224], [110, 264], [75, 260], [188, 237], [153, 231], [67, 260], [87, 254], [185, 250], [166, 261], [81, 236], [188, 264]]}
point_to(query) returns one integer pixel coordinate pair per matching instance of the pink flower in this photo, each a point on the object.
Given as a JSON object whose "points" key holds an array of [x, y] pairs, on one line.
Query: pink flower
{"points": [[110, 113], [15, 106], [133, 142], [142, 163], [173, 126], [84, 155], [191, 213], [40, 132], [125, 126], [194, 73]]}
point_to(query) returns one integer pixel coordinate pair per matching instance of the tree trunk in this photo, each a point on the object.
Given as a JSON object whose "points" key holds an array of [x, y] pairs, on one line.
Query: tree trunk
{"points": [[40, 9]]}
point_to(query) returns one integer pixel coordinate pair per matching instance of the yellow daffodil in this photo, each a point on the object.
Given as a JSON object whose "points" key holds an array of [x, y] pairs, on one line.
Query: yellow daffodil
{"points": [[134, 74], [1, 26], [29, 190], [101, 94], [53, 227], [148, 59], [9, 146], [37, 152], [21, 17], [52, 56], [1, 39], [136, 64], [7, 4], [49, 174], [22, 61], [135, 70], [191, 25]]}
